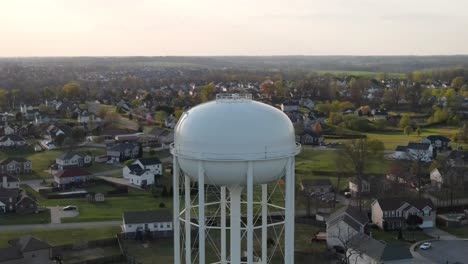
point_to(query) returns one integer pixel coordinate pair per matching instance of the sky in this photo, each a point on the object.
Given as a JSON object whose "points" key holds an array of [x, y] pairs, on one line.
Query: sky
{"points": [[232, 27]]}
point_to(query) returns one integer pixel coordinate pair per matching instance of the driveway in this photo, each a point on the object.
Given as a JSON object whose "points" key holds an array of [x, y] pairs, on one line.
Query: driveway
{"points": [[57, 213], [446, 251]]}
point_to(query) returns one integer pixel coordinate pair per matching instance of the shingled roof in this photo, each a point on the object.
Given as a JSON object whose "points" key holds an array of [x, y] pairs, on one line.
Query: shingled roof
{"points": [[391, 204], [72, 172], [150, 161], [29, 243]]}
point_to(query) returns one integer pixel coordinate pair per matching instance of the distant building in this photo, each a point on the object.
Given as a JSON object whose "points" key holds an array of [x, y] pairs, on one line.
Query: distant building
{"points": [[317, 186], [438, 142], [9, 182], [12, 141], [290, 106], [123, 151], [71, 176], [157, 223], [26, 250], [353, 187], [72, 159], [16, 166]]}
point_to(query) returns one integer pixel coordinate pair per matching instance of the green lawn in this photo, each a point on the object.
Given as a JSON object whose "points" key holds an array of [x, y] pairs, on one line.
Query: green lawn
{"points": [[311, 162], [392, 236], [392, 139], [111, 209], [461, 232], [42, 217], [57, 237]]}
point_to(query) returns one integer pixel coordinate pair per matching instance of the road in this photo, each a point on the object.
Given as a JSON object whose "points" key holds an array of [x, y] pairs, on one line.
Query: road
{"points": [[58, 226]]}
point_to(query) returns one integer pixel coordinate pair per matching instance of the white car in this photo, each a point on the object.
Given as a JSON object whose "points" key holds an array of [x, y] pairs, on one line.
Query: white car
{"points": [[425, 246]]}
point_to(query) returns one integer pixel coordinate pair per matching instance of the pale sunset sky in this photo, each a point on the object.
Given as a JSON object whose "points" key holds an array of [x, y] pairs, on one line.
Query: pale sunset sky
{"points": [[234, 27]]}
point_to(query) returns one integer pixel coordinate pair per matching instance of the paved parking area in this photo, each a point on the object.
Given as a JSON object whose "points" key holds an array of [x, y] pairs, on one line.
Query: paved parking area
{"points": [[447, 251]]}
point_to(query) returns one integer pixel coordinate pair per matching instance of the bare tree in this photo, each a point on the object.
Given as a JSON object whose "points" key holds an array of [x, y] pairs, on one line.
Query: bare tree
{"points": [[343, 236], [355, 157]]}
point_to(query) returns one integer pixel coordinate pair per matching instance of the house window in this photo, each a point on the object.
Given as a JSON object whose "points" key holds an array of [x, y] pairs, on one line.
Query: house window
{"points": [[168, 226], [161, 226]]}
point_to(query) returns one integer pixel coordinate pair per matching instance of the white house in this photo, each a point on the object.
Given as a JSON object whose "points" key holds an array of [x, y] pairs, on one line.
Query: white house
{"points": [[72, 159], [143, 172], [415, 151], [15, 166], [8, 130], [420, 151], [158, 223], [353, 186], [437, 141], [290, 106], [170, 122], [344, 224], [11, 141], [9, 182]]}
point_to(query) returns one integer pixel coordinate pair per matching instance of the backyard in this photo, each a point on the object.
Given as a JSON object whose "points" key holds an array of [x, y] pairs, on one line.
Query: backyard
{"points": [[57, 237]]}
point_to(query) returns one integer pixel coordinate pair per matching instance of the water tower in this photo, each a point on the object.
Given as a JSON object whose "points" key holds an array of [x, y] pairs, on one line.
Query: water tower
{"points": [[237, 147]]}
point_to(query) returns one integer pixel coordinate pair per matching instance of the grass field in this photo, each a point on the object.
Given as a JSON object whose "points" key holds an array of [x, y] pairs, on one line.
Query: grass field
{"points": [[461, 232], [57, 237], [311, 160], [42, 217], [111, 209], [392, 236]]}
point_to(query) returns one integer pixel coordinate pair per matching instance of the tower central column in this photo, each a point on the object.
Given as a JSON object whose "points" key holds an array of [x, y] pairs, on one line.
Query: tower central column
{"points": [[235, 201]]}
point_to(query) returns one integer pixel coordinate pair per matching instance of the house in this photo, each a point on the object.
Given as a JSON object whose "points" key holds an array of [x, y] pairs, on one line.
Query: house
{"points": [[317, 186], [143, 172], [9, 182], [441, 177], [379, 114], [458, 158], [26, 250], [363, 249], [310, 138], [69, 176], [415, 151], [438, 142], [123, 151], [158, 223], [290, 106], [26, 205], [308, 103], [12, 141], [8, 199], [56, 131], [400, 153], [353, 187], [99, 197], [15, 166], [8, 130], [420, 151], [393, 213], [344, 224], [170, 122], [72, 159]]}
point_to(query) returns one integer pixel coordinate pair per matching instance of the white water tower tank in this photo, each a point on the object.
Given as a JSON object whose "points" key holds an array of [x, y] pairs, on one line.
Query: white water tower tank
{"points": [[229, 131]]}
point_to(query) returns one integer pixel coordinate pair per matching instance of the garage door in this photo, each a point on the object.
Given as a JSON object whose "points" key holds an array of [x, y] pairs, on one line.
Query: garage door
{"points": [[427, 224]]}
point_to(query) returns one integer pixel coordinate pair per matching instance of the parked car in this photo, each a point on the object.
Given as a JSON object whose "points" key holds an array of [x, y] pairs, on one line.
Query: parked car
{"points": [[70, 208], [425, 246]]}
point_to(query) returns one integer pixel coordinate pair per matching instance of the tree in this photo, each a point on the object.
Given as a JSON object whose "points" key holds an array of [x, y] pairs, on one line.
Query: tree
{"points": [[267, 88], [408, 130], [355, 156], [78, 134], [207, 92], [376, 147], [458, 82], [380, 124], [111, 118], [405, 121], [71, 90], [160, 116], [317, 128], [418, 131]]}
